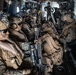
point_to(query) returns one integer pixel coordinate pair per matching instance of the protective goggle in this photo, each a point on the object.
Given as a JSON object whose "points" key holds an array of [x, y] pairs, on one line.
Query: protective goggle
{"points": [[4, 31]]}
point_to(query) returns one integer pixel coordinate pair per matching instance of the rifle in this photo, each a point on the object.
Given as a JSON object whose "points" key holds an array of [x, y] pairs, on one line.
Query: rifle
{"points": [[53, 18], [35, 53], [38, 52], [54, 23]]}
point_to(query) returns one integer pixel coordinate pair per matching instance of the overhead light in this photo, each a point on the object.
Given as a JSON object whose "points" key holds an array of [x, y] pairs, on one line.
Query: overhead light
{"points": [[18, 9]]}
